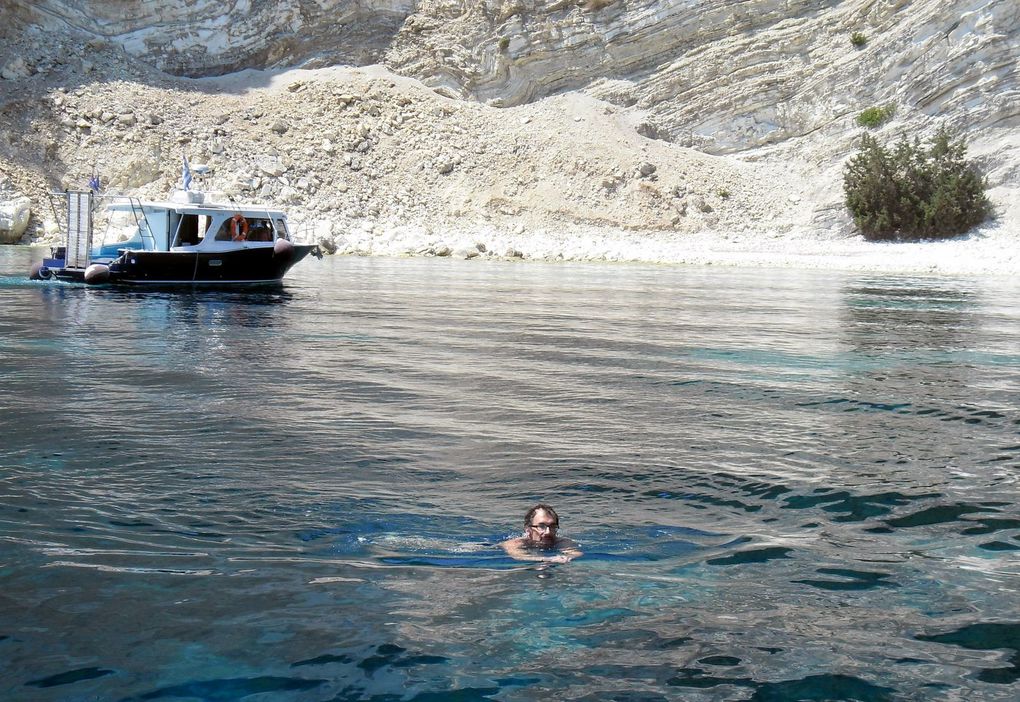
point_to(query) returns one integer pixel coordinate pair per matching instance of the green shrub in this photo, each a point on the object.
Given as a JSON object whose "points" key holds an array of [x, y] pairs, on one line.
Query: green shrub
{"points": [[914, 192], [875, 116], [858, 39]]}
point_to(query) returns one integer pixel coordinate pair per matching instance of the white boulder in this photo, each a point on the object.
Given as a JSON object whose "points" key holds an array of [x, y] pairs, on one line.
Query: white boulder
{"points": [[14, 69], [14, 215], [137, 171], [272, 166]]}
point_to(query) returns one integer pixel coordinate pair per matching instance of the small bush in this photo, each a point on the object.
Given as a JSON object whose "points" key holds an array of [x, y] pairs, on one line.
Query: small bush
{"points": [[914, 192], [858, 39], [876, 116]]}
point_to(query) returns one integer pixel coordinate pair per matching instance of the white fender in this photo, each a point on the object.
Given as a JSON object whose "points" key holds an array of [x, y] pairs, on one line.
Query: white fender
{"points": [[97, 273], [282, 248]]}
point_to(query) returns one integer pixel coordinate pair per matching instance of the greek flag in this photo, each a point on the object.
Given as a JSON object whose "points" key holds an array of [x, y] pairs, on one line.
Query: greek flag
{"points": [[94, 183], [186, 174]]}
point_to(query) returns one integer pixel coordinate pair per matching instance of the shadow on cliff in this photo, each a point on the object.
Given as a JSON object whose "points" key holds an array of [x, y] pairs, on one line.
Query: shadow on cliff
{"points": [[79, 56]]}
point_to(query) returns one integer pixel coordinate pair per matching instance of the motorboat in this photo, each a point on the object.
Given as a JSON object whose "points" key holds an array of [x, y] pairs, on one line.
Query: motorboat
{"points": [[186, 240]]}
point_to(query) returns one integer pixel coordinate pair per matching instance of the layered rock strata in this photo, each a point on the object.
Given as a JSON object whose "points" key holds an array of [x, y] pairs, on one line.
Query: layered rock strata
{"points": [[636, 115]]}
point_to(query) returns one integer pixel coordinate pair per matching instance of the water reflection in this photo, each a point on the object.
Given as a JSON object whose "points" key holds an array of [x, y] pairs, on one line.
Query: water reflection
{"points": [[880, 316], [923, 350], [787, 486], [111, 313]]}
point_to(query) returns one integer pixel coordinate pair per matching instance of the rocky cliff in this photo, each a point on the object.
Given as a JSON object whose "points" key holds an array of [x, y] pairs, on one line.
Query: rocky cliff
{"points": [[663, 119]]}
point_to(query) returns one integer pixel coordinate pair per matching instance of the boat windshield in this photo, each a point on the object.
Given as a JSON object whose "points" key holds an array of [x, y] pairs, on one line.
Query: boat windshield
{"points": [[280, 228]]}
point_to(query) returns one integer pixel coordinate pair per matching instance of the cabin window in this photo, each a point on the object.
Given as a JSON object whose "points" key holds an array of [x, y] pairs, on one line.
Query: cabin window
{"points": [[261, 230], [281, 228], [192, 229], [223, 233]]}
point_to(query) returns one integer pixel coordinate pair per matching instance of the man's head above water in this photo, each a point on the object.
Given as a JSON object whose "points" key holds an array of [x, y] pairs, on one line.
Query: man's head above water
{"points": [[540, 541], [540, 525]]}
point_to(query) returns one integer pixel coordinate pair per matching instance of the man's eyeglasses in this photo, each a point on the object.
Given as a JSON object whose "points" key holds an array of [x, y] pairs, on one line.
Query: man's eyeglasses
{"points": [[551, 526]]}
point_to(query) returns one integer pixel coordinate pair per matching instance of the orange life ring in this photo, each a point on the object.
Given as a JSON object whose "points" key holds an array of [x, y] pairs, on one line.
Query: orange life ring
{"points": [[238, 227]]}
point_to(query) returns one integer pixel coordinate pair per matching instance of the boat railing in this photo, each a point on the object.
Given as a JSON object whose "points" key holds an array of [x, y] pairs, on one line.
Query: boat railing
{"points": [[303, 233]]}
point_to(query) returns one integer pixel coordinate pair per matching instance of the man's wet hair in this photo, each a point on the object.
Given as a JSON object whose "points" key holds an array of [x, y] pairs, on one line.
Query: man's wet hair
{"points": [[541, 508]]}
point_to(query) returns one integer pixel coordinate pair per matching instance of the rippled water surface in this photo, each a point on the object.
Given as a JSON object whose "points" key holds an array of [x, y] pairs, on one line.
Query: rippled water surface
{"points": [[788, 485]]}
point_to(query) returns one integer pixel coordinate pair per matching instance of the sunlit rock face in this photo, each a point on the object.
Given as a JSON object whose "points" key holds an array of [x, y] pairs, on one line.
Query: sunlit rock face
{"points": [[727, 75], [719, 75], [210, 37], [676, 116]]}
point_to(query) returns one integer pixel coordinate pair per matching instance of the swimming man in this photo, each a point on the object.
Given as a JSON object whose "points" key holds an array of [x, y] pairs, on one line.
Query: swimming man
{"points": [[539, 541]]}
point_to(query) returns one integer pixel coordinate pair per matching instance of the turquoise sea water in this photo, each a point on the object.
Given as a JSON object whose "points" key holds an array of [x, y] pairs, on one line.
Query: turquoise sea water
{"points": [[788, 485]]}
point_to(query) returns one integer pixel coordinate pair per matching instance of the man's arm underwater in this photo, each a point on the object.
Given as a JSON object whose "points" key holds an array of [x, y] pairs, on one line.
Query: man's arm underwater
{"points": [[566, 551]]}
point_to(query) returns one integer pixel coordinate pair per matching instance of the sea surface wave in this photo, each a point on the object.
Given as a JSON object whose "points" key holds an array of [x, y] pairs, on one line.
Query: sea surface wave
{"points": [[787, 484]]}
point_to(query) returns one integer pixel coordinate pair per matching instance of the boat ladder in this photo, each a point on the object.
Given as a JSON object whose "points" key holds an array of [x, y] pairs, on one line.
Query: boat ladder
{"points": [[142, 222], [78, 252]]}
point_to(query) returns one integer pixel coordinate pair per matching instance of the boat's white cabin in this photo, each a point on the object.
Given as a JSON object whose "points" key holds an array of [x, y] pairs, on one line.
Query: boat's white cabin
{"points": [[189, 223]]}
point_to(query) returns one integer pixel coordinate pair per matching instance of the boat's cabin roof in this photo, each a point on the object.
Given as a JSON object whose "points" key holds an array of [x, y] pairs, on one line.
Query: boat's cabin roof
{"points": [[208, 209]]}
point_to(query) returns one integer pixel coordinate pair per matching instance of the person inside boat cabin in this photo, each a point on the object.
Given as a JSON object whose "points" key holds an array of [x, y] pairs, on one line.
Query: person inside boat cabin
{"points": [[261, 230], [245, 230], [539, 541]]}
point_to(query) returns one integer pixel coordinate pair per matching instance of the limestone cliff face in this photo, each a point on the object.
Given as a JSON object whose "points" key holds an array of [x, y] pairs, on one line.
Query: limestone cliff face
{"points": [[675, 116], [210, 37], [719, 75], [728, 75]]}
